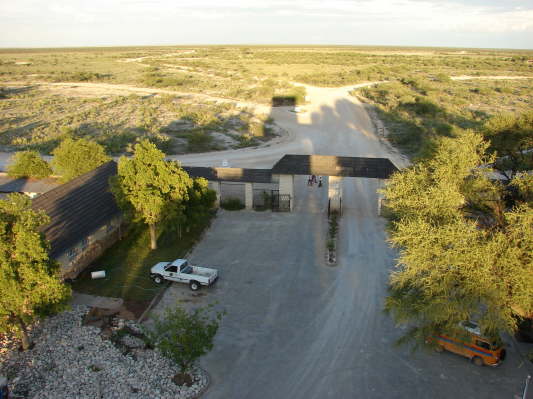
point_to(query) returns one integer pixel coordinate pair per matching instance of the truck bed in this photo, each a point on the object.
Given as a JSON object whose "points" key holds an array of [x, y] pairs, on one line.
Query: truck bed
{"points": [[203, 271]]}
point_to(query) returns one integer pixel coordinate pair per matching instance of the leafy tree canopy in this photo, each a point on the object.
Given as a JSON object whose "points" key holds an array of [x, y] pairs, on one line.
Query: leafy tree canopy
{"points": [[434, 189], [73, 158], [28, 164], [150, 188], [184, 337], [452, 267], [29, 280], [511, 138]]}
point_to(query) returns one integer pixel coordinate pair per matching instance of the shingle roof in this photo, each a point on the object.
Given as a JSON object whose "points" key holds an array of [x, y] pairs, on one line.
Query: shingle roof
{"points": [[230, 174], [14, 185], [78, 208], [326, 165]]}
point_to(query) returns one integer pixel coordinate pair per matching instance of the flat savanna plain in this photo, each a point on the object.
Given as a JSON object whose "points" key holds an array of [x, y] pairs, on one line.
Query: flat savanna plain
{"points": [[195, 99]]}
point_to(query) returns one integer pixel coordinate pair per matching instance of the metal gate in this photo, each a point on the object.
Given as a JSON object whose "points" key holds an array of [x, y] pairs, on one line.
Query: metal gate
{"points": [[261, 198], [280, 202]]}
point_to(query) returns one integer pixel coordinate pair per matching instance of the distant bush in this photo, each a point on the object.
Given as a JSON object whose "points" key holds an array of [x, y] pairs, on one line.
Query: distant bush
{"points": [[63, 76], [256, 129], [443, 78], [481, 90], [200, 141], [232, 204], [73, 158], [422, 106], [29, 164]]}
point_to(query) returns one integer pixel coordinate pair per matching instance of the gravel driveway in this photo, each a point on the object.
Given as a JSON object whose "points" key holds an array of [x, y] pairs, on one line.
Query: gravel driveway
{"points": [[297, 328]]}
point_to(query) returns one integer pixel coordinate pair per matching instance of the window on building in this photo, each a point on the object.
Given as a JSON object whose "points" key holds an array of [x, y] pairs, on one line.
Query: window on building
{"points": [[71, 253]]}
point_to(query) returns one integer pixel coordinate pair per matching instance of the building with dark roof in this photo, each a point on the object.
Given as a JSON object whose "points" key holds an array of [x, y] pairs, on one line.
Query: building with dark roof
{"points": [[31, 187], [84, 218]]}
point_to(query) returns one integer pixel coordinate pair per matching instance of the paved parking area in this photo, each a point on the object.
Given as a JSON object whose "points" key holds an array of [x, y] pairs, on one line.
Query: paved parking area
{"points": [[296, 328]]}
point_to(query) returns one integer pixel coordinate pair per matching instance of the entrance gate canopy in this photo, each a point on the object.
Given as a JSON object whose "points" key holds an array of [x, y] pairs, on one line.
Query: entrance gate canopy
{"points": [[327, 165]]}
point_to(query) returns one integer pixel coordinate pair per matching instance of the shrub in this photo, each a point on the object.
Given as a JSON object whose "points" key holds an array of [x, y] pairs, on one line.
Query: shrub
{"points": [[256, 129], [29, 164], [184, 337], [443, 78], [232, 204], [199, 141], [422, 106], [73, 158]]}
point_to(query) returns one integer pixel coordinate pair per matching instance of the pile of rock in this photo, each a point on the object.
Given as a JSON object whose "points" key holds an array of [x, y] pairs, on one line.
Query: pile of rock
{"points": [[70, 360]]}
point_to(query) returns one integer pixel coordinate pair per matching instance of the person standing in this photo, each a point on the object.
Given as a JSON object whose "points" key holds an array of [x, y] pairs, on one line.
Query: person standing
{"points": [[320, 181], [313, 179]]}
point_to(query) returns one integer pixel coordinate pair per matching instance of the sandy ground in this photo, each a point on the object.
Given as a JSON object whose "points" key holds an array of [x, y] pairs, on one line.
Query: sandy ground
{"points": [[466, 77], [326, 126], [91, 89]]}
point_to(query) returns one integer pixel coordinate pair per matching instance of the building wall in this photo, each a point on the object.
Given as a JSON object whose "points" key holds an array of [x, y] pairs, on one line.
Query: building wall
{"points": [[88, 249], [232, 190]]}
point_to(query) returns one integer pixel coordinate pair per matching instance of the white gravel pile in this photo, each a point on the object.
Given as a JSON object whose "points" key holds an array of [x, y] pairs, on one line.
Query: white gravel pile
{"points": [[73, 361]]}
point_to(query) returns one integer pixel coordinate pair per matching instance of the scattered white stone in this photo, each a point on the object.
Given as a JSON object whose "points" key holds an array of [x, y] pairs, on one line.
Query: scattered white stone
{"points": [[73, 361]]}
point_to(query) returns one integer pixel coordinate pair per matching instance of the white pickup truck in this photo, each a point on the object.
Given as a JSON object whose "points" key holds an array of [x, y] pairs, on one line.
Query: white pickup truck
{"points": [[182, 272]]}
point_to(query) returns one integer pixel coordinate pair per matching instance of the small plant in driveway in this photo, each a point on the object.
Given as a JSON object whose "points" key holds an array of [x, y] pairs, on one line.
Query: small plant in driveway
{"points": [[331, 243], [185, 336]]}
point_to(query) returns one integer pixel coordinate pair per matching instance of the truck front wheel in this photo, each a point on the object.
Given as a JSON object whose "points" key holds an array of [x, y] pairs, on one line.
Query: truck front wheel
{"points": [[157, 279], [478, 361], [194, 285]]}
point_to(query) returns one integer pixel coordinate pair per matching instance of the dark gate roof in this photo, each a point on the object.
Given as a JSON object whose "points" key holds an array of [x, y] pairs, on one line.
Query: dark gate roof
{"points": [[230, 174], [78, 208], [327, 165]]}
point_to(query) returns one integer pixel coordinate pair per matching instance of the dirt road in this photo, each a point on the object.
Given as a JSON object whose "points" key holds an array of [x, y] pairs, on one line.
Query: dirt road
{"points": [[332, 123]]}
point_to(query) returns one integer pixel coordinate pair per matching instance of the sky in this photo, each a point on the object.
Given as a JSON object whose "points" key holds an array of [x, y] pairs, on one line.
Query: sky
{"points": [[450, 23]]}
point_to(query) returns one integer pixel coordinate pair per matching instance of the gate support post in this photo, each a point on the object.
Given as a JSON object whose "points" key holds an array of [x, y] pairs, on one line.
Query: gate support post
{"points": [[248, 196], [215, 186], [286, 186], [335, 193]]}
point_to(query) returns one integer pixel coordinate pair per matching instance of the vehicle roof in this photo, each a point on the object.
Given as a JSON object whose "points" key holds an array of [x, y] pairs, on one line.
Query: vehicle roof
{"points": [[472, 328], [178, 262]]}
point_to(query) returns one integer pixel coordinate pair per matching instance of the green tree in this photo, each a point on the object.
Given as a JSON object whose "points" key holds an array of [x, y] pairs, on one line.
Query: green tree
{"points": [[150, 188], [451, 266], [511, 138], [29, 280], [184, 337], [200, 201], [73, 158], [28, 164]]}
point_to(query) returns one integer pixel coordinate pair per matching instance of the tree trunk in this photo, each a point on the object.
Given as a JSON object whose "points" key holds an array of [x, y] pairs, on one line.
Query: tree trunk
{"points": [[153, 238], [24, 334]]}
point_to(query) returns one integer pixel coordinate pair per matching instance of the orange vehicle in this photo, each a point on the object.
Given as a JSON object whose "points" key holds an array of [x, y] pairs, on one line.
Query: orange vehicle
{"points": [[479, 349]]}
